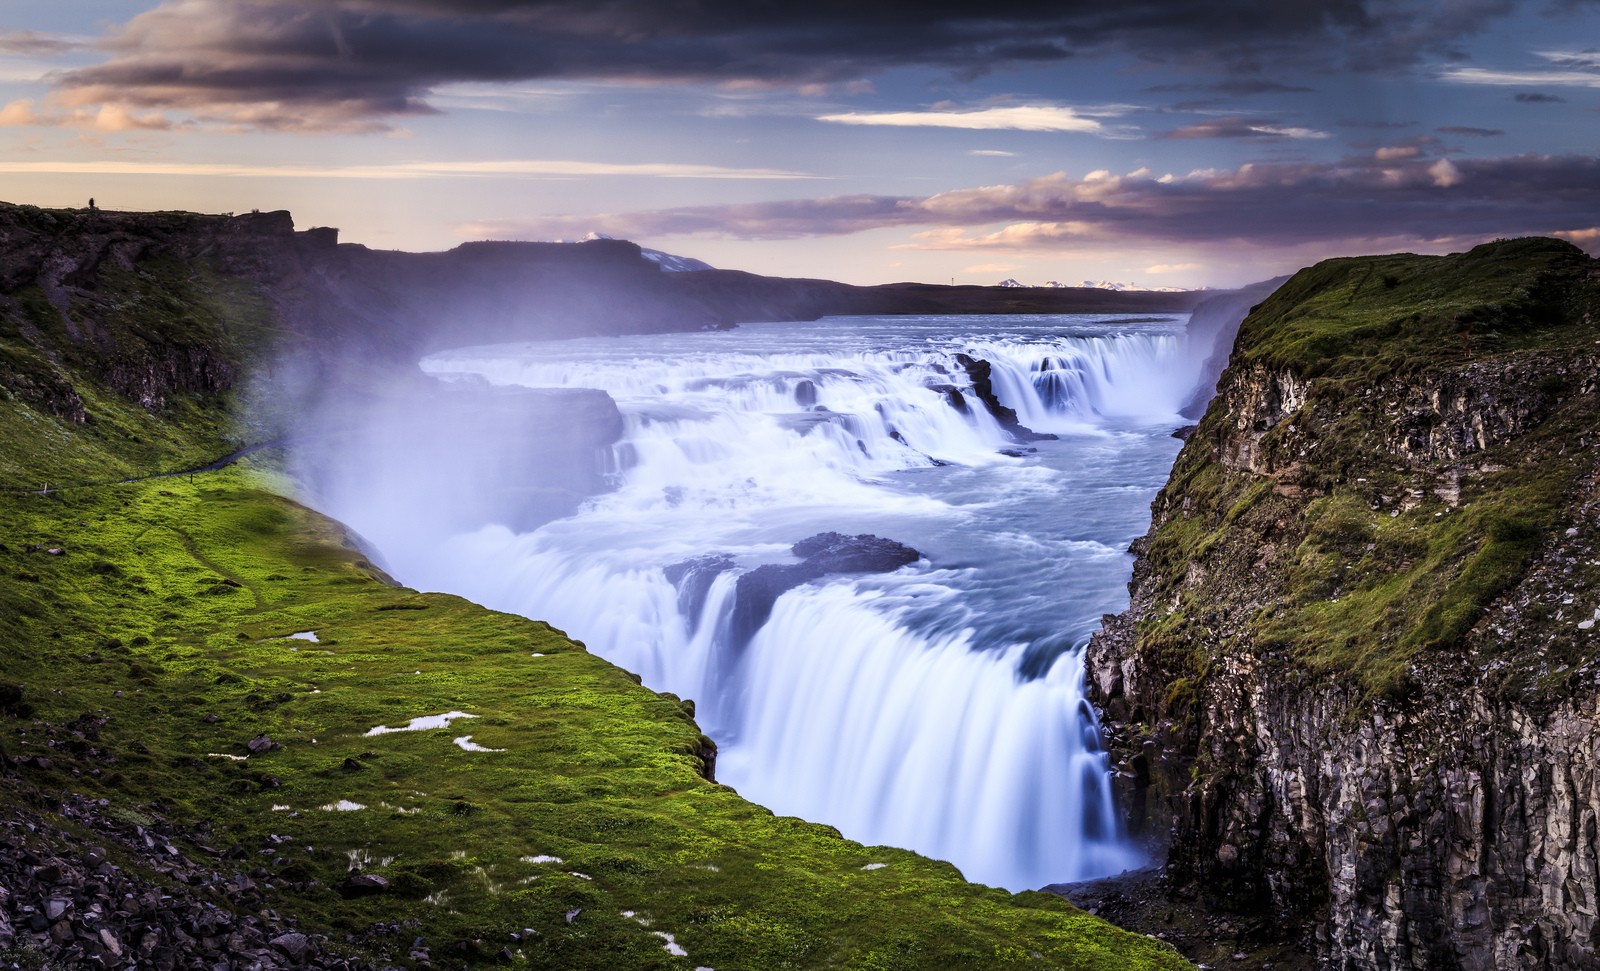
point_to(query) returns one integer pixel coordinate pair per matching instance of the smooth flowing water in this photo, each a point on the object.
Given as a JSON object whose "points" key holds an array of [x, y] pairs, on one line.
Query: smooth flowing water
{"points": [[939, 707]]}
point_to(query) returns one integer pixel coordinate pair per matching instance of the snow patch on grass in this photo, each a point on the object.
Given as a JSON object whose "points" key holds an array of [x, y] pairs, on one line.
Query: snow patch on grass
{"points": [[422, 723]]}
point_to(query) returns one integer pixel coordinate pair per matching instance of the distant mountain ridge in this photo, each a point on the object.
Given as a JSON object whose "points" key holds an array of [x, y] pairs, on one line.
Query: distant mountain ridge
{"points": [[1012, 283], [351, 302]]}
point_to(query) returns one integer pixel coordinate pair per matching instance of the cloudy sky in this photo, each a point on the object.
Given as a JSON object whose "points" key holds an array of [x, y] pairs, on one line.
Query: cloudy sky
{"points": [[1164, 142]]}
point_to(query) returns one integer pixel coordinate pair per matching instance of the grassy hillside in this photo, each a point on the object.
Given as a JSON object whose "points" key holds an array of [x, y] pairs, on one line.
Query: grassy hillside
{"points": [[156, 703]]}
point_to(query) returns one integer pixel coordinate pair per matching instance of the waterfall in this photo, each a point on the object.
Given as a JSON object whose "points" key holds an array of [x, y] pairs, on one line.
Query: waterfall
{"points": [[938, 707]]}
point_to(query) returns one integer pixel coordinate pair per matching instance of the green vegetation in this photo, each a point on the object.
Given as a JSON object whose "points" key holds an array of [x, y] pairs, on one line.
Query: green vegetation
{"points": [[1362, 550], [1376, 318], [165, 606]]}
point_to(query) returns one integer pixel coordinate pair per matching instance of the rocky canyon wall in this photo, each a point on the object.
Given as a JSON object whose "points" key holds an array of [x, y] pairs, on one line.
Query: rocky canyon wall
{"points": [[1357, 685]]}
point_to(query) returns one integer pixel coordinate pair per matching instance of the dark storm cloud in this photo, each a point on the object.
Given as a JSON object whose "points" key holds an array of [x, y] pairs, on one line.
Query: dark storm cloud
{"points": [[1537, 98], [1262, 205], [337, 62]]}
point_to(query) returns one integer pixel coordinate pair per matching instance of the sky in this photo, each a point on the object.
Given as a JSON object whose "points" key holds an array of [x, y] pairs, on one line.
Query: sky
{"points": [[1156, 142]]}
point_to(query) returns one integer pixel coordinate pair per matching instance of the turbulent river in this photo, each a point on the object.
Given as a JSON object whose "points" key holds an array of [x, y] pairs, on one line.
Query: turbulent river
{"points": [[938, 707]]}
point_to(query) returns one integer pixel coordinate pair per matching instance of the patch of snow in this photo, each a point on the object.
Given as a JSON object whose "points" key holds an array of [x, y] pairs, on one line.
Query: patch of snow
{"points": [[874, 866], [224, 755], [542, 858], [422, 723], [675, 264], [342, 806], [580, 876], [668, 262], [466, 744], [279, 807], [536, 655], [673, 947]]}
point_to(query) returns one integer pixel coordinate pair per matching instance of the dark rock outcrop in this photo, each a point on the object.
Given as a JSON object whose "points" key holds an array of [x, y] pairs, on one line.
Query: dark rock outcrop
{"points": [[693, 579], [981, 374], [864, 553], [820, 555]]}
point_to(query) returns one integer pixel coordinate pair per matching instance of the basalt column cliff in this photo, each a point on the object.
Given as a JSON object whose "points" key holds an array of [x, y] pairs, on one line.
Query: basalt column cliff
{"points": [[1357, 683]]}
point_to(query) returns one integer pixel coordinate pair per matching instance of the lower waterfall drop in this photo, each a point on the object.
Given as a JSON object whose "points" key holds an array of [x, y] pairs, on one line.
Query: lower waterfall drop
{"points": [[938, 707]]}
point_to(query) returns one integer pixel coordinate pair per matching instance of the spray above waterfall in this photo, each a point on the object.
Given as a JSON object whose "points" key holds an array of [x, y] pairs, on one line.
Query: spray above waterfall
{"points": [[933, 700]]}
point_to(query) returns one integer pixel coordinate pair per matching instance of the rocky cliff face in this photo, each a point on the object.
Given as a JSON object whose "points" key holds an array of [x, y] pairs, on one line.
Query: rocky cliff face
{"points": [[1358, 682]]}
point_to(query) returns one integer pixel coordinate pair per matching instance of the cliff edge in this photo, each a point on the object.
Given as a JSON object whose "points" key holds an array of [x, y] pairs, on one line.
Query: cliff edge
{"points": [[1358, 683]]}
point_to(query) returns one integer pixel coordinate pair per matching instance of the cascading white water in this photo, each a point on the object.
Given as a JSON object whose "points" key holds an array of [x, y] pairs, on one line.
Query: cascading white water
{"points": [[939, 707]]}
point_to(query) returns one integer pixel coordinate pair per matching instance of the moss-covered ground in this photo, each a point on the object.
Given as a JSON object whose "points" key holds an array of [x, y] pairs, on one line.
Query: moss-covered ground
{"points": [[584, 835]]}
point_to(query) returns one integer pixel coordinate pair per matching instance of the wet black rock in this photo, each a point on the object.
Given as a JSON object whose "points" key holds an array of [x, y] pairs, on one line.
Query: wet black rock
{"points": [[820, 555], [364, 885], [863, 553], [980, 372], [693, 579], [953, 397], [759, 589]]}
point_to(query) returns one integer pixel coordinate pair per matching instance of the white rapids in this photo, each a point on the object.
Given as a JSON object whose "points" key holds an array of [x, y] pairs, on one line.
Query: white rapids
{"points": [[939, 707]]}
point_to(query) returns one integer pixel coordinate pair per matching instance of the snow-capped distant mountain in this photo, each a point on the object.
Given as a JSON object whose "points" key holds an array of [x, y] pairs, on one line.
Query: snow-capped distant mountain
{"points": [[1107, 285], [1010, 283], [667, 261], [675, 264]]}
